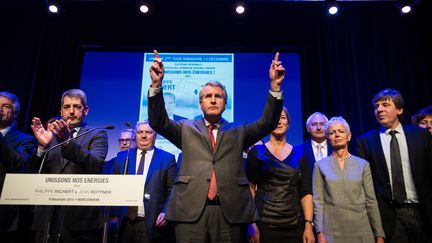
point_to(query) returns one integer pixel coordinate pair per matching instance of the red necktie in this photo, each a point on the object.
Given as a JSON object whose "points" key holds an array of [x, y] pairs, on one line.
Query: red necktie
{"points": [[213, 187]]}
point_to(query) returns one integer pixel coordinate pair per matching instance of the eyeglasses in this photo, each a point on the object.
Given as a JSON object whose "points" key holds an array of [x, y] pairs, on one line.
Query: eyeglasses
{"points": [[127, 140]]}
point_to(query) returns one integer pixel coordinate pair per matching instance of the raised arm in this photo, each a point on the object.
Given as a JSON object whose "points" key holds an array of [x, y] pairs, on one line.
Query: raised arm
{"points": [[158, 116], [276, 73], [270, 116], [157, 71]]}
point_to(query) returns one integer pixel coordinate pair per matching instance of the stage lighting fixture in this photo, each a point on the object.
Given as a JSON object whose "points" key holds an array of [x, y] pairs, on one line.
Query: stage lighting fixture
{"points": [[144, 8], [406, 9], [332, 7], [240, 9], [406, 6], [53, 8]]}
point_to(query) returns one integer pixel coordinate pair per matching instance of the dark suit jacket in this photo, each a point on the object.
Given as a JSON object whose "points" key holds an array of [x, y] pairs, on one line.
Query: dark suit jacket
{"points": [[158, 183], [189, 193], [308, 152], [84, 155], [15, 149], [419, 143]]}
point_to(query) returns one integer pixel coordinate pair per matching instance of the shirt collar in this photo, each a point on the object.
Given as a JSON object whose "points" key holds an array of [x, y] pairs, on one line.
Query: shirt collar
{"points": [[398, 129], [323, 144], [217, 124], [4, 131], [147, 151]]}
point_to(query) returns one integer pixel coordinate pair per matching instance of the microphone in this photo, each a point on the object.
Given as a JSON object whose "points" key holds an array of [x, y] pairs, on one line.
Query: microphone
{"points": [[109, 127], [125, 169]]}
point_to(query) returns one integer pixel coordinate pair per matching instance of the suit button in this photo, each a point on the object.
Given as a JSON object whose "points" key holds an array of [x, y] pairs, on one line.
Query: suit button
{"points": [[213, 162]]}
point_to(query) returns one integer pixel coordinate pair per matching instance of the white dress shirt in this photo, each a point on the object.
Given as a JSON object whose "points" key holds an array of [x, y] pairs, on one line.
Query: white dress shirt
{"points": [[148, 158], [406, 167]]}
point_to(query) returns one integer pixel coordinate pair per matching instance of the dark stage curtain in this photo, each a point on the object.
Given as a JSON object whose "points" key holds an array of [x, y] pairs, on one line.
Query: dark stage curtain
{"points": [[345, 59]]}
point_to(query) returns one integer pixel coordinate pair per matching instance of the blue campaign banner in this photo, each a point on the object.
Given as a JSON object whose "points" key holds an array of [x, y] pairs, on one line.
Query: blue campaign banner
{"points": [[116, 84], [183, 57]]}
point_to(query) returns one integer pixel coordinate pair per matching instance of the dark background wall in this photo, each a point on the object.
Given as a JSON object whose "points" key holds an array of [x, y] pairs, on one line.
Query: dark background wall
{"points": [[345, 59]]}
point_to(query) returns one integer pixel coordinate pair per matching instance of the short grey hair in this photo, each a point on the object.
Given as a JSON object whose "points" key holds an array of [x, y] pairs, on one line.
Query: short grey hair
{"points": [[75, 93], [336, 119], [16, 107], [130, 130], [142, 122], [214, 84], [308, 121]]}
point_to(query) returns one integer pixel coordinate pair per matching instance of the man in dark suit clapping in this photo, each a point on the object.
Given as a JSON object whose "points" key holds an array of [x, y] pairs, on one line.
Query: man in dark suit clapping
{"points": [[84, 155]]}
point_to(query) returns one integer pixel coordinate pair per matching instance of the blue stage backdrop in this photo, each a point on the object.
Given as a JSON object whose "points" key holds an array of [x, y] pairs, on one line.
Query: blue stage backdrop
{"points": [[116, 84]]}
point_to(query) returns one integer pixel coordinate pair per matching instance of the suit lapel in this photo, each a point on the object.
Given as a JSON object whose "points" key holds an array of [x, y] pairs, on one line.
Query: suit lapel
{"points": [[200, 125], [65, 162], [221, 131], [153, 165], [131, 170], [410, 142], [309, 150], [376, 144], [11, 137], [329, 148]]}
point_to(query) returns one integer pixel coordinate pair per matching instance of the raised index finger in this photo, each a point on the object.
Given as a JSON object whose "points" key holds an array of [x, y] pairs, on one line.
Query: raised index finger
{"points": [[156, 54], [276, 57]]}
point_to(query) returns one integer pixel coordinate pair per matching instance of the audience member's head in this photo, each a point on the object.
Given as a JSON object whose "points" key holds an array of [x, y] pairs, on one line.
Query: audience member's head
{"points": [[423, 118], [74, 107], [338, 132], [127, 139], [388, 105], [315, 126], [283, 124], [9, 109], [213, 98], [145, 136]]}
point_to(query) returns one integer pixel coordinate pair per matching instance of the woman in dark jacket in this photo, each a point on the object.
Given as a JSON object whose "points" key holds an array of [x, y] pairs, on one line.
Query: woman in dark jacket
{"points": [[282, 183]]}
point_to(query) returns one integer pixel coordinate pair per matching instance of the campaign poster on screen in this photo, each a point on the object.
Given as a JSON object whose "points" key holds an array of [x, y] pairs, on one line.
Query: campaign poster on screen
{"points": [[185, 74]]}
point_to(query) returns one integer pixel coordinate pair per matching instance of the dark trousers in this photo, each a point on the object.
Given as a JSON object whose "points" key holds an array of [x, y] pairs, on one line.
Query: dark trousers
{"points": [[271, 233], [134, 231], [409, 227], [210, 227]]}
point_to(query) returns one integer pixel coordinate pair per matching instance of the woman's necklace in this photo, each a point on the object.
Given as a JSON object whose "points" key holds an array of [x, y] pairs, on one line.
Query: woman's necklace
{"points": [[343, 158]]}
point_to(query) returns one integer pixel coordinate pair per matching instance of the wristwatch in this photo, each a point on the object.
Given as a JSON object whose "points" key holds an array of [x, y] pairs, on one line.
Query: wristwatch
{"points": [[309, 221]]}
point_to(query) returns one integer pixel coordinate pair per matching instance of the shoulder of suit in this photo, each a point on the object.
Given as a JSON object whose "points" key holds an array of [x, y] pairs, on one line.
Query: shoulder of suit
{"points": [[368, 134], [409, 128], [324, 161], [14, 132], [359, 160], [124, 152]]}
